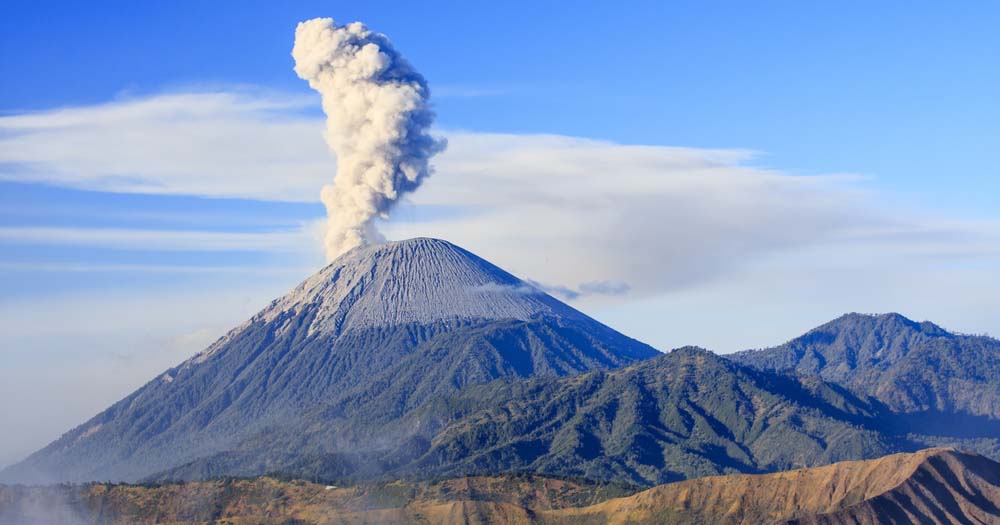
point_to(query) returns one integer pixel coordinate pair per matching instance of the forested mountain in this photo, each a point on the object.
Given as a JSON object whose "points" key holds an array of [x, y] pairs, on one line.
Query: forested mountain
{"points": [[909, 366], [685, 414]]}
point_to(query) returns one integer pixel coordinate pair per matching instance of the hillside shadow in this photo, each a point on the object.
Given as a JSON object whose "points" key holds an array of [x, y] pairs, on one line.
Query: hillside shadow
{"points": [[944, 424]]}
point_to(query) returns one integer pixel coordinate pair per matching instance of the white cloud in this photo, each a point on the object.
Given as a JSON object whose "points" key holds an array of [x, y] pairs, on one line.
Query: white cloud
{"points": [[767, 300], [188, 240], [563, 211], [569, 211], [649, 218], [233, 144], [189, 269]]}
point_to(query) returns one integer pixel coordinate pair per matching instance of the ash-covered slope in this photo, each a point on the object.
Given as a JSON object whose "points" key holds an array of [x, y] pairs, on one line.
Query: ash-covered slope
{"points": [[417, 281], [911, 367], [354, 347], [934, 487]]}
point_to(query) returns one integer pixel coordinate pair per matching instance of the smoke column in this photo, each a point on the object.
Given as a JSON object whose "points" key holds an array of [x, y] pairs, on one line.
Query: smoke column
{"points": [[377, 124]]}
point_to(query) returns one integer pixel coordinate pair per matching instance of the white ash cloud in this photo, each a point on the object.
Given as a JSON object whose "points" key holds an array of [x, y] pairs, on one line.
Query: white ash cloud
{"points": [[378, 121]]}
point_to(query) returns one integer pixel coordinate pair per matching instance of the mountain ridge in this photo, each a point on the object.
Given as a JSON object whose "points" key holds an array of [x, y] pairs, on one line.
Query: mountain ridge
{"points": [[679, 415], [683, 414]]}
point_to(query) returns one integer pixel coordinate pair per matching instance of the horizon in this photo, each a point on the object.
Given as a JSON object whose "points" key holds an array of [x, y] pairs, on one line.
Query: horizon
{"points": [[728, 182]]}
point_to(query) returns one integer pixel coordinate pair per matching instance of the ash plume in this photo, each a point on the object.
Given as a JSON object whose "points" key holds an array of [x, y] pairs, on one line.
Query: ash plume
{"points": [[378, 121]]}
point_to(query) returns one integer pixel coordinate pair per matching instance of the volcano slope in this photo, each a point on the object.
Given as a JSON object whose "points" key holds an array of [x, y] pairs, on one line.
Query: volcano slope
{"points": [[366, 340]]}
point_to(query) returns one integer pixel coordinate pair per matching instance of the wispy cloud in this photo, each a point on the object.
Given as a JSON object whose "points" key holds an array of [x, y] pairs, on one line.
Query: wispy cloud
{"points": [[57, 267], [583, 214], [590, 218], [187, 240], [232, 144]]}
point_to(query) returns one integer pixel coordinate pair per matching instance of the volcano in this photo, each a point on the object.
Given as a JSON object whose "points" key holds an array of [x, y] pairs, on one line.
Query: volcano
{"points": [[336, 369]]}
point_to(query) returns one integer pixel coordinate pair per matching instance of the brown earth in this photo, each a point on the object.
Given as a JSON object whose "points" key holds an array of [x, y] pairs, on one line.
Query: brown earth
{"points": [[267, 501], [934, 486]]}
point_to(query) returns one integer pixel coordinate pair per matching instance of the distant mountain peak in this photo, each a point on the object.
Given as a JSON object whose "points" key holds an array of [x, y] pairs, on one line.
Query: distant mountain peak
{"points": [[890, 321], [910, 366]]}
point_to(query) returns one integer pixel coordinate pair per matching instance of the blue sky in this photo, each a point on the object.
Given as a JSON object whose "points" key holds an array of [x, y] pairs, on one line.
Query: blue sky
{"points": [[903, 91], [748, 170]]}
